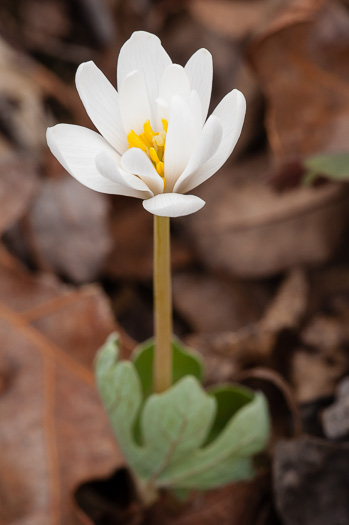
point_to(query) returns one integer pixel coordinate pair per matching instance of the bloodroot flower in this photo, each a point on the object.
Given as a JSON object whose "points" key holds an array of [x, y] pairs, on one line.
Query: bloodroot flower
{"points": [[155, 142]]}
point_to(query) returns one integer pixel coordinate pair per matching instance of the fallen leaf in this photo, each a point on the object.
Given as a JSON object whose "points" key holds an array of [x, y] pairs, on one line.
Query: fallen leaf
{"points": [[329, 291], [18, 184], [211, 303], [113, 501], [301, 62], [22, 113], [335, 420], [248, 231], [236, 20], [228, 353], [281, 400], [66, 230], [132, 254], [311, 482], [231, 505], [289, 305], [54, 433], [317, 366]]}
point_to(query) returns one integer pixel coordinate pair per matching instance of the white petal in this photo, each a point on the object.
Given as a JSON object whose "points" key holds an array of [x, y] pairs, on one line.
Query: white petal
{"points": [[110, 167], [209, 143], [143, 52], [101, 101], [231, 113], [162, 111], [181, 139], [76, 149], [173, 204], [174, 81], [137, 162], [196, 109], [134, 102], [199, 69]]}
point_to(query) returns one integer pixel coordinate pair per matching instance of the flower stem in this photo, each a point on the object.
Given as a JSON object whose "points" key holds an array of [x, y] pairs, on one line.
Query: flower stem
{"points": [[162, 305]]}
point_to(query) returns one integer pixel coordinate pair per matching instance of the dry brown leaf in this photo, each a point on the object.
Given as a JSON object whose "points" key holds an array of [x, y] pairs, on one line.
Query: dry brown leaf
{"points": [[22, 111], [236, 20], [227, 353], [235, 504], [54, 433], [330, 291], [326, 333], [282, 402], [311, 482], [289, 305], [113, 502], [302, 64], [18, 184], [211, 303], [132, 253], [335, 420], [25, 87], [293, 12], [66, 230], [248, 230], [317, 367]]}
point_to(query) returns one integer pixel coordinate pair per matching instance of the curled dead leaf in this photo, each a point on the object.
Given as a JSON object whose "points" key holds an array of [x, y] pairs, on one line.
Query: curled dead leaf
{"points": [[249, 231]]}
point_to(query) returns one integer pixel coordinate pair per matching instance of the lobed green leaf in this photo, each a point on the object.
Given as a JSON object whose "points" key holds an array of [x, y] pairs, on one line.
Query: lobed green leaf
{"points": [[185, 362], [188, 438]]}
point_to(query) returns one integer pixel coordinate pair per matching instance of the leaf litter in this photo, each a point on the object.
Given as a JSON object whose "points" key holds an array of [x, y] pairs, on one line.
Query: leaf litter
{"points": [[274, 265]]}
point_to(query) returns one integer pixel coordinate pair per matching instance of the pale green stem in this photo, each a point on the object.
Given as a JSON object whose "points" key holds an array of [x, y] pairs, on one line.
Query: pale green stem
{"points": [[162, 305]]}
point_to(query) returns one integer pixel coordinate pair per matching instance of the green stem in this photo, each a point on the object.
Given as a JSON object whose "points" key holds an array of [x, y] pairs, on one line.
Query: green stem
{"points": [[162, 305]]}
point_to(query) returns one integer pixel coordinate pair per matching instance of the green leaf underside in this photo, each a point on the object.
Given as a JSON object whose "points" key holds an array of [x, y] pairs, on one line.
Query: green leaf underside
{"points": [[120, 390], [185, 363], [335, 166], [175, 425], [229, 398]]}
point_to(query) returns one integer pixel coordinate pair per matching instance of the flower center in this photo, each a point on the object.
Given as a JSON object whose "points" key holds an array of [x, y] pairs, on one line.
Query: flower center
{"points": [[153, 144]]}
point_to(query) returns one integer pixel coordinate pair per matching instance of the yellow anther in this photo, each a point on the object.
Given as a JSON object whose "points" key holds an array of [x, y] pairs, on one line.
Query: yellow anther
{"points": [[153, 155], [149, 133], [145, 140], [135, 142], [160, 168], [165, 124], [152, 143]]}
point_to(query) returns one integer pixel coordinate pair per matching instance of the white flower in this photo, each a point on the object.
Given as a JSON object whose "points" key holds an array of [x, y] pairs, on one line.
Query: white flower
{"points": [[155, 142]]}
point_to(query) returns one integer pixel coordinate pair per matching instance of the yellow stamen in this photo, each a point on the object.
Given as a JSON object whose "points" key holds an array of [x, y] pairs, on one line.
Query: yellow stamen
{"points": [[148, 131], [152, 143], [153, 155], [145, 140], [160, 168], [135, 142]]}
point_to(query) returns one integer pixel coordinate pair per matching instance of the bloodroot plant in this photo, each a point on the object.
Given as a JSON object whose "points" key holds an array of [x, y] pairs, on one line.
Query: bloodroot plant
{"points": [[157, 144]]}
